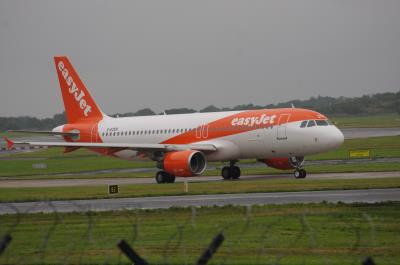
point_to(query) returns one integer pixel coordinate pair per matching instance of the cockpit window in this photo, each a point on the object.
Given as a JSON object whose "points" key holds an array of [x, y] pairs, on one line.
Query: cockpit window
{"points": [[311, 123], [321, 123], [329, 122], [303, 124]]}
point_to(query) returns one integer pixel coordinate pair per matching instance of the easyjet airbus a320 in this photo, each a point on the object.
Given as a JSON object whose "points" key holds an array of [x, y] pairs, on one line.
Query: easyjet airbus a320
{"points": [[181, 145]]}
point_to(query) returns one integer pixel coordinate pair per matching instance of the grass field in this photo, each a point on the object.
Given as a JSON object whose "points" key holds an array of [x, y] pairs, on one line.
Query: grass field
{"points": [[379, 147], [290, 234], [242, 186], [367, 121]]}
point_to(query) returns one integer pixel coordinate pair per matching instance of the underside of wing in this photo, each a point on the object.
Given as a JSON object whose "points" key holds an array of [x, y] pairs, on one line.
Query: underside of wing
{"points": [[119, 146], [71, 133]]}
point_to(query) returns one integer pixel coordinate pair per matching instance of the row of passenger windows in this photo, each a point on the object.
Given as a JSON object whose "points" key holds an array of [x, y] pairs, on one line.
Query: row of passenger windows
{"points": [[176, 131], [145, 132], [312, 123]]}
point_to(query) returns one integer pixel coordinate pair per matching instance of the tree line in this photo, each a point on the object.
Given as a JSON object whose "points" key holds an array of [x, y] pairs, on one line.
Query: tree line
{"points": [[365, 105]]}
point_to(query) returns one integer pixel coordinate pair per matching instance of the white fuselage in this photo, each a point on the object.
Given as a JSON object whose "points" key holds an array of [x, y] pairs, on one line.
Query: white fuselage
{"points": [[277, 139]]}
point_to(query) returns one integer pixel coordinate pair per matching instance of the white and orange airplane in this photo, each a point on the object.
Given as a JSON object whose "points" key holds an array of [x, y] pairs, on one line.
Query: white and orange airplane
{"points": [[182, 144]]}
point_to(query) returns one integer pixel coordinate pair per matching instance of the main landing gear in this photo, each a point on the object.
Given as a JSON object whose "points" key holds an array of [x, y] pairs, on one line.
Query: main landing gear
{"points": [[300, 173], [164, 177], [231, 172]]}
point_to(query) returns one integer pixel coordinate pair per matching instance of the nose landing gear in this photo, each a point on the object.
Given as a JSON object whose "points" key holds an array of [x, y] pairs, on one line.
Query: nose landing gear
{"points": [[300, 173], [231, 172]]}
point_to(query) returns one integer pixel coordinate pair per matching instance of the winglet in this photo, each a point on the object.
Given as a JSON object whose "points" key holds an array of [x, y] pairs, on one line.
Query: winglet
{"points": [[10, 143]]}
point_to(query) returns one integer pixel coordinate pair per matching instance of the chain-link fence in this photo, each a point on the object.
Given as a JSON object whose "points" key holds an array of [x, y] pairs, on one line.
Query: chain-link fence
{"points": [[293, 234]]}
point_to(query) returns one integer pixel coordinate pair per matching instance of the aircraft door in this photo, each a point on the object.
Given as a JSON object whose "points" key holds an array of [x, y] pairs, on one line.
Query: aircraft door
{"points": [[282, 125]]}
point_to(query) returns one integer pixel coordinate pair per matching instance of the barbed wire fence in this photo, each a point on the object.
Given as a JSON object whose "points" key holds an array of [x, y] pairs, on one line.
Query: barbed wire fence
{"points": [[227, 242]]}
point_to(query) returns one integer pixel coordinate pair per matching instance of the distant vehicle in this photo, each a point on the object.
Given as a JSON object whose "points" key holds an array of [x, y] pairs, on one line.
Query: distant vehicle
{"points": [[182, 144]]}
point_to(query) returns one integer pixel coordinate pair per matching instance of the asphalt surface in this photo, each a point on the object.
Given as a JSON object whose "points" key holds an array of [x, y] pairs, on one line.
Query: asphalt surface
{"points": [[32, 183], [346, 196], [356, 133]]}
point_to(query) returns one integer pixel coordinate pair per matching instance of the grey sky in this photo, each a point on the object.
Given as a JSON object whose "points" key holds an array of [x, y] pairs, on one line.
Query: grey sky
{"points": [[167, 53]]}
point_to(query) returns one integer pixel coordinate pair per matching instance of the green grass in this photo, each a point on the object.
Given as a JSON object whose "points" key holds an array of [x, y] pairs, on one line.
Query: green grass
{"points": [[57, 162], [367, 121], [289, 234], [380, 147], [242, 186], [15, 134]]}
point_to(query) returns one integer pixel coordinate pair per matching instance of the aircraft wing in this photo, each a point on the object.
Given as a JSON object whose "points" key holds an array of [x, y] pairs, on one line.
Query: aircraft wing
{"points": [[71, 133], [118, 146]]}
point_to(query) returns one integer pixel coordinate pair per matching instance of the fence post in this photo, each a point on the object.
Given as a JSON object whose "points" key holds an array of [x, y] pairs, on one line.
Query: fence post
{"points": [[131, 254], [212, 248], [4, 242]]}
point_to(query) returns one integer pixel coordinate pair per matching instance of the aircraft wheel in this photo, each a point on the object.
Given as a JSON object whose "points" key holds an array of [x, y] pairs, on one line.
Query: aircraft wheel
{"points": [[303, 173], [160, 177], [170, 178], [235, 172], [164, 177], [297, 174], [226, 173]]}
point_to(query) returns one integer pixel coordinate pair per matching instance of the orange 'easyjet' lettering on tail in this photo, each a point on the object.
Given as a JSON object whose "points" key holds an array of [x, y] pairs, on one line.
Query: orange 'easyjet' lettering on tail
{"points": [[79, 105]]}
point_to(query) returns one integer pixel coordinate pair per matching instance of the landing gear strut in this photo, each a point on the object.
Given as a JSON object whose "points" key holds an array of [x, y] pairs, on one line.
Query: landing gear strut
{"points": [[231, 172], [299, 173], [164, 177]]}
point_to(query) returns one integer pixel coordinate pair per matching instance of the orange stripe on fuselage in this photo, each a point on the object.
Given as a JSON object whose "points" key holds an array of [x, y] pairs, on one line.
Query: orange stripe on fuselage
{"points": [[243, 122]]}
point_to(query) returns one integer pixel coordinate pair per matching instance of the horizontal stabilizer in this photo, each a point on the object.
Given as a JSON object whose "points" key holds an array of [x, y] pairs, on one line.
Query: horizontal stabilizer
{"points": [[46, 132], [10, 143], [124, 146]]}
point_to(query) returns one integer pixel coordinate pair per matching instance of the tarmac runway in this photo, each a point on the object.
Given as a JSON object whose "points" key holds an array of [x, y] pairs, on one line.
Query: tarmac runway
{"points": [[32, 183], [346, 196], [356, 133]]}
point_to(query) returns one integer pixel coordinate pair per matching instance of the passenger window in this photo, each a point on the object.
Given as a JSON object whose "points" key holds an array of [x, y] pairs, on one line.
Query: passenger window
{"points": [[311, 123], [303, 124], [321, 123]]}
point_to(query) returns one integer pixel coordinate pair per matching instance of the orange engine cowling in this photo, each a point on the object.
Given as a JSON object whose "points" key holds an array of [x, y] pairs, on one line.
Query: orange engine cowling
{"points": [[186, 163], [285, 162]]}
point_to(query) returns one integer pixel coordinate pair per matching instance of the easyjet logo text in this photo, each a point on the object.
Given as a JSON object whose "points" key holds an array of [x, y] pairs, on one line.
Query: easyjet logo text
{"points": [[251, 121], [78, 94]]}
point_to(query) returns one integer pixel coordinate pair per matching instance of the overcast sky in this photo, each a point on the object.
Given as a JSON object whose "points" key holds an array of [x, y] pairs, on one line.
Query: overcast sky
{"points": [[168, 53]]}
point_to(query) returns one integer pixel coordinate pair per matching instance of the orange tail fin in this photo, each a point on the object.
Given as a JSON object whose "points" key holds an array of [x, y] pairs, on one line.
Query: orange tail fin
{"points": [[79, 104]]}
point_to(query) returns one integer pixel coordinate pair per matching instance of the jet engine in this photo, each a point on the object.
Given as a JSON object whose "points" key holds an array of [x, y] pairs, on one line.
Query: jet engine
{"points": [[285, 162], [186, 163]]}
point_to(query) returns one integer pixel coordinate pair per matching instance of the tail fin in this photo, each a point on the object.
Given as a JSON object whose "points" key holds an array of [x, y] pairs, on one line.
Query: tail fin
{"points": [[79, 104]]}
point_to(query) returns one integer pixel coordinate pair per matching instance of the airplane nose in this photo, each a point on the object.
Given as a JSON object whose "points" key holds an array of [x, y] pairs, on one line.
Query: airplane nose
{"points": [[337, 138]]}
